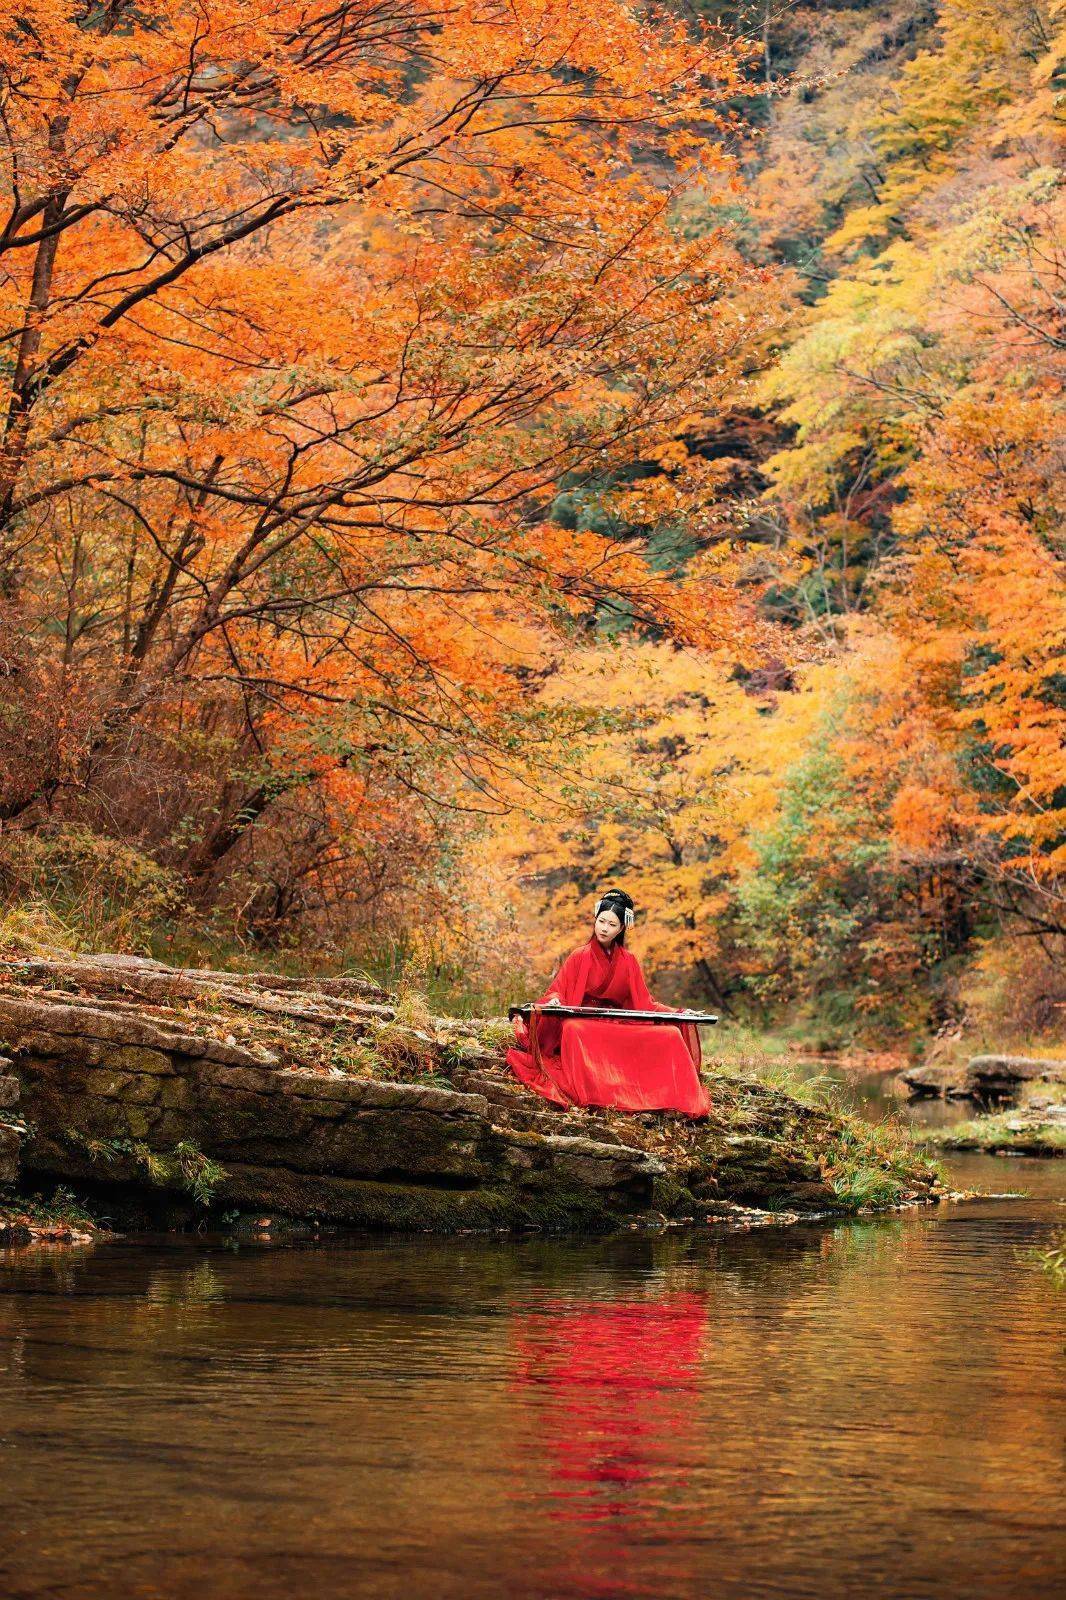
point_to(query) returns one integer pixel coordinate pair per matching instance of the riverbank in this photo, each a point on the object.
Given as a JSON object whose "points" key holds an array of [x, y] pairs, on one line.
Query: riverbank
{"points": [[1021, 1100], [1035, 1130], [63, 1219], [195, 1095]]}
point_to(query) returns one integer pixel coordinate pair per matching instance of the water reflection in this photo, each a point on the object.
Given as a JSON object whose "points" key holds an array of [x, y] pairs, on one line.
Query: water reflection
{"points": [[877, 1095], [817, 1412], [616, 1387]]}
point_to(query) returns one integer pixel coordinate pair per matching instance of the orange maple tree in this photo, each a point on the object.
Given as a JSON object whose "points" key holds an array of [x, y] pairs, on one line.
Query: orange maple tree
{"points": [[309, 307]]}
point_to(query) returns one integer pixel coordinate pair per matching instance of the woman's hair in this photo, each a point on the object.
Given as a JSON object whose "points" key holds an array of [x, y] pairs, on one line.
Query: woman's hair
{"points": [[621, 904]]}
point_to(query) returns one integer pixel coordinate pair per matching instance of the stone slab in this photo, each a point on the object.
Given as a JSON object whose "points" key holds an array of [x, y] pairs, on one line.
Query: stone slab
{"points": [[934, 1079], [1002, 1075], [372, 1093]]}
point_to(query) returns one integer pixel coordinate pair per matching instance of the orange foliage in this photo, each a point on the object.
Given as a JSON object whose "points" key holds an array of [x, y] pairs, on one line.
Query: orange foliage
{"points": [[910, 532], [310, 306], [323, 317]]}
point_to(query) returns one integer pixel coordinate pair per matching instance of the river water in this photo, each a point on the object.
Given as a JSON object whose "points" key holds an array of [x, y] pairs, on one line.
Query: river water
{"points": [[868, 1408]]}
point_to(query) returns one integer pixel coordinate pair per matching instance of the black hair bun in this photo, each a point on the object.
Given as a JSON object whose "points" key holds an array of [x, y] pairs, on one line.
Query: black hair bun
{"points": [[610, 898]]}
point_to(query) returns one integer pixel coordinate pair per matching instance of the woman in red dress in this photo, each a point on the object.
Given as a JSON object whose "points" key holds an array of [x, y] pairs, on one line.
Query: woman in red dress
{"points": [[586, 1061]]}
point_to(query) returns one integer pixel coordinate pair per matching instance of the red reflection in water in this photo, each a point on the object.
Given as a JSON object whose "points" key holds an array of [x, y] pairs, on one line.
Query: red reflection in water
{"points": [[617, 1384]]}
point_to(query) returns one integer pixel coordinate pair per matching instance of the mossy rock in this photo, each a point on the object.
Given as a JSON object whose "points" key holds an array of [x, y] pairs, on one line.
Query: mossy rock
{"points": [[408, 1208]]}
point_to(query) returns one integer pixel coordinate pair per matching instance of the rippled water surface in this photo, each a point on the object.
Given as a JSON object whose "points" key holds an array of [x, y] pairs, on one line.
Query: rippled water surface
{"points": [[867, 1409]]}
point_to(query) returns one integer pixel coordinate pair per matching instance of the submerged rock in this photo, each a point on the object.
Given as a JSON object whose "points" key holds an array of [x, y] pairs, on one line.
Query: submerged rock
{"points": [[236, 1092]]}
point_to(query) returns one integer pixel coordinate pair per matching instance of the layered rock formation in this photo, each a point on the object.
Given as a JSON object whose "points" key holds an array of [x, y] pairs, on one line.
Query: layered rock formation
{"points": [[320, 1101]]}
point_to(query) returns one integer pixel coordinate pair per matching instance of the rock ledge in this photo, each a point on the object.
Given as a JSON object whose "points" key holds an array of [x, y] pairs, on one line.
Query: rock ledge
{"points": [[243, 1091]]}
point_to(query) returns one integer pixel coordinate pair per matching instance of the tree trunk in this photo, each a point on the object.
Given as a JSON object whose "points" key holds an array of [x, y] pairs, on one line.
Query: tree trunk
{"points": [[20, 403]]}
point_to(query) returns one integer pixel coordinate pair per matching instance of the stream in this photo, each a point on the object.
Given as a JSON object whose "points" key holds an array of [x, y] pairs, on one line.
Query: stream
{"points": [[831, 1410]]}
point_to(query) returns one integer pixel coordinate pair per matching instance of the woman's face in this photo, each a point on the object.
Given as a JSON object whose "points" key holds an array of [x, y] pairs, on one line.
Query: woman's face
{"points": [[607, 927]]}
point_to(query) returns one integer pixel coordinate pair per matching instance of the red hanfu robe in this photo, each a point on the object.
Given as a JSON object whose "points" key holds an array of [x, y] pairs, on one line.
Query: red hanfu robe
{"points": [[586, 1061]]}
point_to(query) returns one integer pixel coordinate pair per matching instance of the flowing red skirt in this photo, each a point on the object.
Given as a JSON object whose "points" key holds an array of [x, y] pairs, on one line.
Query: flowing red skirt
{"points": [[629, 1066]]}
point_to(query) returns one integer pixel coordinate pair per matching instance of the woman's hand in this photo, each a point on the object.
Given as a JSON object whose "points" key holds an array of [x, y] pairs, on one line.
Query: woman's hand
{"points": [[554, 1001]]}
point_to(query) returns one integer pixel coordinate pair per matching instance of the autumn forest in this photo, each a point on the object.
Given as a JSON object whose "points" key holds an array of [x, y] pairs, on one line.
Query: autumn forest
{"points": [[454, 459]]}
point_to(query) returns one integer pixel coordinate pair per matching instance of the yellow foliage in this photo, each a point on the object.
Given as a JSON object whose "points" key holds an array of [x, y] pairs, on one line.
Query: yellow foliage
{"points": [[661, 801]]}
